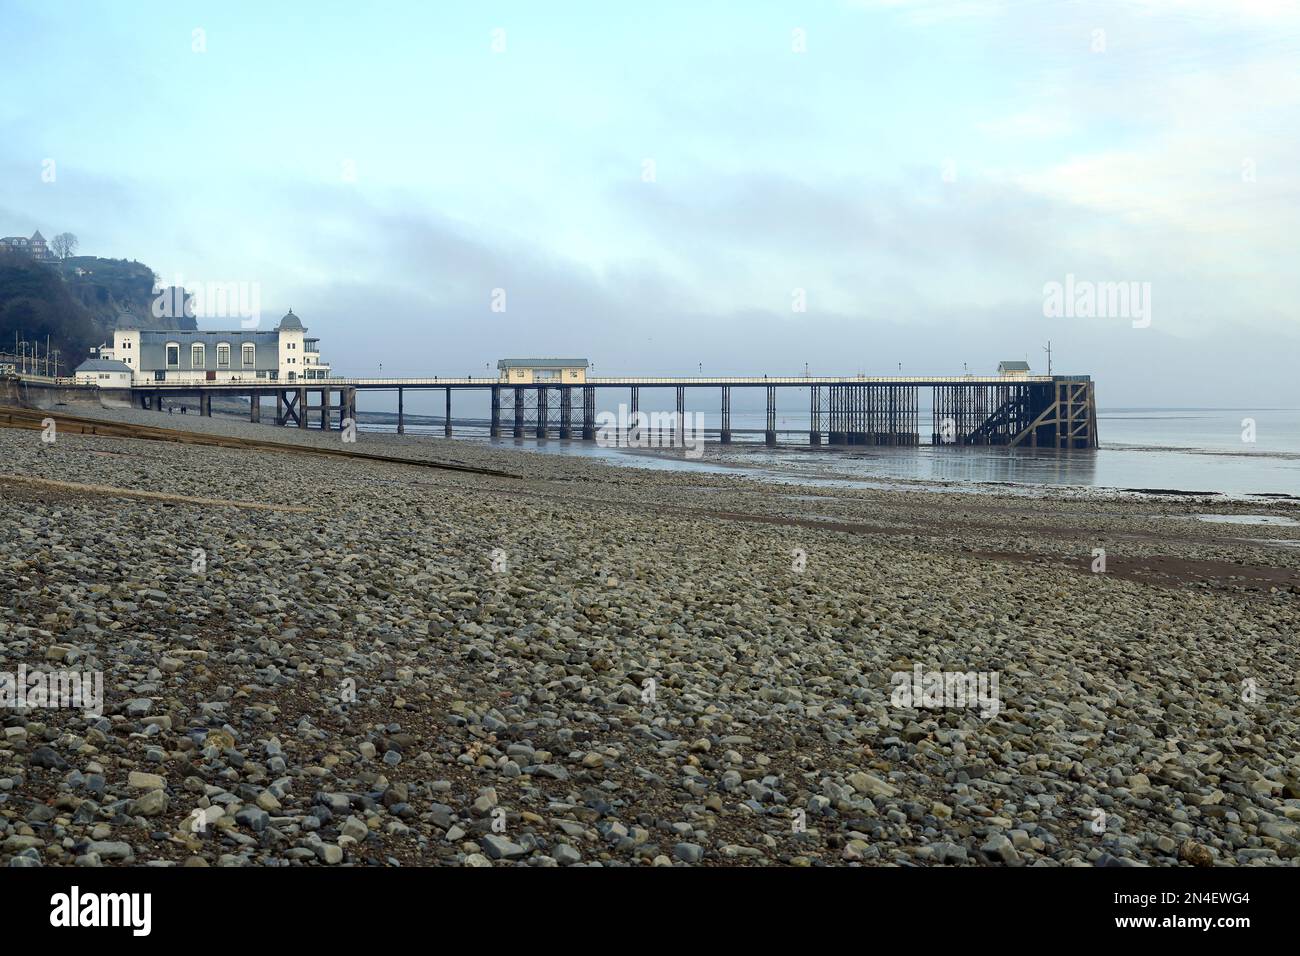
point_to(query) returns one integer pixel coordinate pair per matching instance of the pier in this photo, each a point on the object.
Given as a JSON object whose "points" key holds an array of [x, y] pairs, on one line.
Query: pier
{"points": [[1036, 411]]}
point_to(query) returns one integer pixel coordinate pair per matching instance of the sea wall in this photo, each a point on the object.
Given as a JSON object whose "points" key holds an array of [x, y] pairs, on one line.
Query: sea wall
{"points": [[41, 395]]}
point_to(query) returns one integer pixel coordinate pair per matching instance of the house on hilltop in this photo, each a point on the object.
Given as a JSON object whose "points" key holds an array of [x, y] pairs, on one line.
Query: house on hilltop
{"points": [[36, 246]]}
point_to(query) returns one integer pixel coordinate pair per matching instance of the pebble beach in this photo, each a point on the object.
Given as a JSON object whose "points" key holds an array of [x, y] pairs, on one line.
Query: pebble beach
{"points": [[313, 661]]}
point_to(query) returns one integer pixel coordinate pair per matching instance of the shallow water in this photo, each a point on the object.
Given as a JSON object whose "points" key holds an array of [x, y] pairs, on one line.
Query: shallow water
{"points": [[1275, 520], [1227, 451]]}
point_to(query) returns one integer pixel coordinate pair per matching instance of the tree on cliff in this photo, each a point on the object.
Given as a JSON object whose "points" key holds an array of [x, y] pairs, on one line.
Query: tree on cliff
{"points": [[64, 245]]}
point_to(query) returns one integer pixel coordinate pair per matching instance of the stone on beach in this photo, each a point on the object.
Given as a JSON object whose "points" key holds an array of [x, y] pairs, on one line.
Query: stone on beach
{"points": [[643, 681]]}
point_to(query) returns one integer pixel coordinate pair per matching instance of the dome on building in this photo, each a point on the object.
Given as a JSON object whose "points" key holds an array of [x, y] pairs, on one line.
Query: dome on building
{"points": [[290, 321]]}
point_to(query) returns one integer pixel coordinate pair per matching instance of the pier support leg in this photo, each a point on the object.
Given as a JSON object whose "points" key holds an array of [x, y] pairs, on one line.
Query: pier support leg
{"points": [[519, 413], [566, 411], [446, 427], [205, 404], [255, 407], [725, 436], [494, 429], [814, 416], [401, 411], [302, 408], [279, 407], [635, 398], [679, 438], [833, 415], [588, 413], [541, 411], [769, 433], [325, 409]]}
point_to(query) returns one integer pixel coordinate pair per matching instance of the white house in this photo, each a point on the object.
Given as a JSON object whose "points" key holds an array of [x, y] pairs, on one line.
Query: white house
{"points": [[105, 373]]}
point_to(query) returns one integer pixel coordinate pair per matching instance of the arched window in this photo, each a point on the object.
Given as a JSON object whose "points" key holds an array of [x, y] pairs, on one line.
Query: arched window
{"points": [[198, 356], [249, 355], [223, 355], [173, 355]]}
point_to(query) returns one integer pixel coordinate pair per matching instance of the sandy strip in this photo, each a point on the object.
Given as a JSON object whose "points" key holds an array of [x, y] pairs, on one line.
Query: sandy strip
{"points": [[78, 488]]}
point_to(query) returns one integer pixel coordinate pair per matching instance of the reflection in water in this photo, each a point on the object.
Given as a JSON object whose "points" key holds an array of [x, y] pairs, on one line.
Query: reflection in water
{"points": [[1033, 466], [1156, 450], [971, 467], [1249, 519]]}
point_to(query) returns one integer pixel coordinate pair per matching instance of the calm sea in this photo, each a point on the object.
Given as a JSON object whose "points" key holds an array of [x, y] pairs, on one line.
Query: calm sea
{"points": [[1231, 451]]}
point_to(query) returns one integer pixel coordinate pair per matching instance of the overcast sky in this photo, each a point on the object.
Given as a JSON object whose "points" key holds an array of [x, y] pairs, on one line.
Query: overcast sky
{"points": [[651, 184]]}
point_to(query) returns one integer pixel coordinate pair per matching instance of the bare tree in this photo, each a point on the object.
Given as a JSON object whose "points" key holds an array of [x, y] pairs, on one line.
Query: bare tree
{"points": [[64, 245]]}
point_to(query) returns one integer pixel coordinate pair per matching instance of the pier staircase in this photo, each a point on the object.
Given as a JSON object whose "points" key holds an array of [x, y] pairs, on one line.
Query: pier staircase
{"points": [[1068, 418]]}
